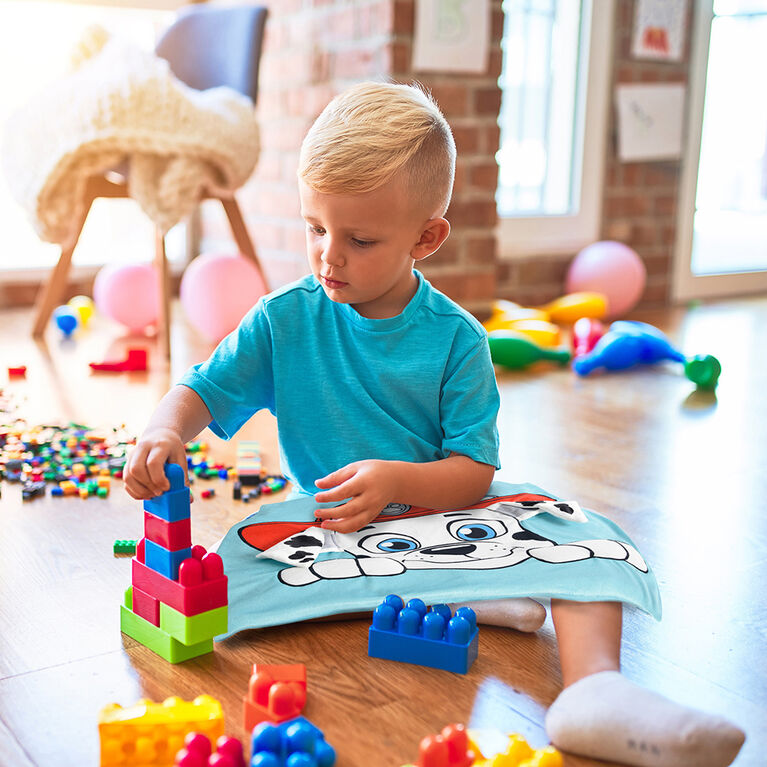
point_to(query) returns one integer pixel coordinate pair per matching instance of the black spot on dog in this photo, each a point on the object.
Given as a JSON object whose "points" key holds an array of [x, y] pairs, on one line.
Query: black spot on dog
{"points": [[565, 507], [302, 555], [299, 541], [527, 535], [529, 504]]}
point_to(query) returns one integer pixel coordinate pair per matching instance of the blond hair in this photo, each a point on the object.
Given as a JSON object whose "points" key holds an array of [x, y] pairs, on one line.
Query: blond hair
{"points": [[369, 133]]}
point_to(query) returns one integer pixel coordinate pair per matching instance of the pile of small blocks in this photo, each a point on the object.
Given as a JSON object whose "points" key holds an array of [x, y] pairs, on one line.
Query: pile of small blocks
{"points": [[178, 599], [426, 637], [278, 745], [151, 734]]}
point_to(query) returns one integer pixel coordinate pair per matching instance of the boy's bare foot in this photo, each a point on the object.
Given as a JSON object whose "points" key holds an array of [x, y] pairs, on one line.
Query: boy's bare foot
{"points": [[521, 613]]}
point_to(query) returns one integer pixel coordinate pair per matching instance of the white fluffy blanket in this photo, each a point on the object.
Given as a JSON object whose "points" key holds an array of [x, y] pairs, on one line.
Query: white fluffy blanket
{"points": [[120, 104]]}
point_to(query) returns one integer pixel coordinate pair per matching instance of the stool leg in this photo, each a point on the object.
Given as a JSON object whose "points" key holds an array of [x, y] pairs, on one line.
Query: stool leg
{"points": [[240, 232], [49, 296], [161, 264]]}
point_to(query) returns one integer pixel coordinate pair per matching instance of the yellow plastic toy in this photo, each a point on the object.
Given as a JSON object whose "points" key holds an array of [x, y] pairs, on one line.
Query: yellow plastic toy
{"points": [[519, 754], [565, 309], [538, 331], [150, 734], [573, 306]]}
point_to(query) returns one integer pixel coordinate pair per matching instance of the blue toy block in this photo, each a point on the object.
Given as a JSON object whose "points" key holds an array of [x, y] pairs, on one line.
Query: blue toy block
{"points": [[164, 561], [295, 743], [173, 504], [435, 638]]}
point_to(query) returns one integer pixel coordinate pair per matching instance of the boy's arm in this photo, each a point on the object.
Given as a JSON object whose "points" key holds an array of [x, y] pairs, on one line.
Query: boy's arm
{"points": [[369, 485], [180, 416]]}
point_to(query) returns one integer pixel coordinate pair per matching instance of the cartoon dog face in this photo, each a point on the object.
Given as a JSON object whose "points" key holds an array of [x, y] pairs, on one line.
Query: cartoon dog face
{"points": [[488, 535]]}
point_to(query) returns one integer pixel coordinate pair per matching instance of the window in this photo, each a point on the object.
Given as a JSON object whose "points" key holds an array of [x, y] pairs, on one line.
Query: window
{"points": [[722, 228], [36, 43], [553, 120]]}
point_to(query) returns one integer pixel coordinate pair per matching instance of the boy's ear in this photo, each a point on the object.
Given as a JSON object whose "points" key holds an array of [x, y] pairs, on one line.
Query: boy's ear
{"points": [[433, 235]]}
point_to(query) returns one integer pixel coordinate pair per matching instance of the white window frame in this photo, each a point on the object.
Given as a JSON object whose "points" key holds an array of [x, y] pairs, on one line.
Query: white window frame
{"points": [[556, 235], [685, 285]]}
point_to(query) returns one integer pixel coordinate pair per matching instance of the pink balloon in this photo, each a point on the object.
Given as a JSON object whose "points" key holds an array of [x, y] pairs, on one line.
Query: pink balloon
{"points": [[610, 268], [129, 294], [217, 291]]}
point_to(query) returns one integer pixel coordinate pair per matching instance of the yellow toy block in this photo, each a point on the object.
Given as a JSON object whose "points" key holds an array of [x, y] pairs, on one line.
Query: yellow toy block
{"points": [[150, 734], [104, 481], [83, 491], [519, 754], [68, 487]]}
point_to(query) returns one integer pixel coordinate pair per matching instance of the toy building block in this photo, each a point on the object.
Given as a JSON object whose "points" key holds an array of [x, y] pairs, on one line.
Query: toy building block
{"points": [[173, 504], [191, 629], [31, 490], [451, 748], [170, 535], [124, 546], [150, 734], [198, 752], [146, 606], [155, 638], [519, 754], [435, 638], [249, 462], [272, 745], [136, 360], [275, 694], [17, 372], [201, 584], [164, 561]]}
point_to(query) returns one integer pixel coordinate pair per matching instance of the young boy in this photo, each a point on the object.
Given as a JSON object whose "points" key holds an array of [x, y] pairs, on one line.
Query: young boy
{"points": [[384, 392]]}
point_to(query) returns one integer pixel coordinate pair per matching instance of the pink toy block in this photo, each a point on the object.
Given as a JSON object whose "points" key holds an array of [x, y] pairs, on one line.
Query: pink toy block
{"points": [[198, 752], [275, 694], [146, 606], [201, 584], [136, 360], [170, 535]]}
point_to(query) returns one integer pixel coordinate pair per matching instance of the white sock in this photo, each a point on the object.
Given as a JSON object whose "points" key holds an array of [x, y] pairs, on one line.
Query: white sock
{"points": [[522, 614], [605, 716]]}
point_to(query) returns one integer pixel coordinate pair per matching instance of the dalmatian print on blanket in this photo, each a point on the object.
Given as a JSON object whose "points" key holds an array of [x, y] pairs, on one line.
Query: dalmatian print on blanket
{"points": [[518, 541]]}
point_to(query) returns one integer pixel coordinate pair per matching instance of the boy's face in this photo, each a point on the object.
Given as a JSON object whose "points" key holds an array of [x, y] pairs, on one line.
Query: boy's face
{"points": [[361, 247]]}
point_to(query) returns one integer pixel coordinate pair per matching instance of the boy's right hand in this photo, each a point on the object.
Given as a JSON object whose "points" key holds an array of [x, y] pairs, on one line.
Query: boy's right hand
{"points": [[144, 472]]}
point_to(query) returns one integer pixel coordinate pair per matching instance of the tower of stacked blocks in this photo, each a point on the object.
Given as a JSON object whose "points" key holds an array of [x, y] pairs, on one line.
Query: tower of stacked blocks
{"points": [[177, 601]]}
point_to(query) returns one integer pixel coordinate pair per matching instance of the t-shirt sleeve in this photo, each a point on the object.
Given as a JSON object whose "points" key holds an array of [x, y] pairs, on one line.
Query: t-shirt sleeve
{"points": [[236, 381], [469, 407]]}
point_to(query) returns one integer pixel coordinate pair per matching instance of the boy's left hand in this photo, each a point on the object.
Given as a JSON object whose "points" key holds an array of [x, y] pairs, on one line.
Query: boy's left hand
{"points": [[368, 486]]}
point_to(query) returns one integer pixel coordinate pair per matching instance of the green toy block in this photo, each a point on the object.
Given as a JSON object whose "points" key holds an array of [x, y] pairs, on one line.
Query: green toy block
{"points": [[191, 629], [155, 638], [124, 546]]}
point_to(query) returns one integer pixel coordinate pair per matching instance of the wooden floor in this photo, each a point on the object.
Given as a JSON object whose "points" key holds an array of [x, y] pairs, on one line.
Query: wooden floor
{"points": [[684, 473]]}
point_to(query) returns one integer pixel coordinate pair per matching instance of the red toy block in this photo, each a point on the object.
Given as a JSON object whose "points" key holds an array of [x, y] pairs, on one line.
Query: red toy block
{"points": [[201, 584], [170, 535], [147, 606], [17, 372], [275, 694], [136, 360], [448, 749]]}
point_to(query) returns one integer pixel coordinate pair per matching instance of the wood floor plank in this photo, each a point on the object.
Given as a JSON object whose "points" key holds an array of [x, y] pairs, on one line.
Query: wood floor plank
{"points": [[685, 474]]}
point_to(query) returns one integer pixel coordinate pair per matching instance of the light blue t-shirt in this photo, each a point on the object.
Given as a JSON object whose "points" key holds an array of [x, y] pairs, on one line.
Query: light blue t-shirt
{"points": [[344, 388]]}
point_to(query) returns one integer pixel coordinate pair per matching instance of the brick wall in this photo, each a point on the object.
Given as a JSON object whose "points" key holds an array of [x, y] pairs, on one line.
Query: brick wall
{"points": [[313, 50], [316, 48], [639, 200]]}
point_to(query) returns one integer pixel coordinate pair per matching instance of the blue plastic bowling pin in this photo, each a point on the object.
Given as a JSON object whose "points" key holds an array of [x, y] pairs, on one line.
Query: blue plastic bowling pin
{"points": [[627, 344]]}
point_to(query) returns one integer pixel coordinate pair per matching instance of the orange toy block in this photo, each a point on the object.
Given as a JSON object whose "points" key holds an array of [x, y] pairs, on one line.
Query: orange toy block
{"points": [[275, 694], [451, 748]]}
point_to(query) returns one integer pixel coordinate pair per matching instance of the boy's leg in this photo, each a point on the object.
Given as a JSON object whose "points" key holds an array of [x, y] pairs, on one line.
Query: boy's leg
{"points": [[603, 715], [520, 613]]}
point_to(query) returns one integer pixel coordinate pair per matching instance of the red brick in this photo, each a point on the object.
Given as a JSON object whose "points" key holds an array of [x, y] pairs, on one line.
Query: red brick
{"points": [[472, 213], [403, 13], [466, 139], [453, 98], [352, 63], [484, 175], [395, 59], [487, 101], [466, 286], [481, 249]]}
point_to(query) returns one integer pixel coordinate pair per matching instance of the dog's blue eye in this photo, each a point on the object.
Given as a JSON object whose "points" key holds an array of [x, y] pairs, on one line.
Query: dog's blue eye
{"points": [[475, 532], [397, 545]]}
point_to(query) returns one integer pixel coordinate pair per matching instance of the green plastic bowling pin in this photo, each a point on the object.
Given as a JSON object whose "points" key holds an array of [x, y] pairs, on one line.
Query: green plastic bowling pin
{"points": [[515, 351]]}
